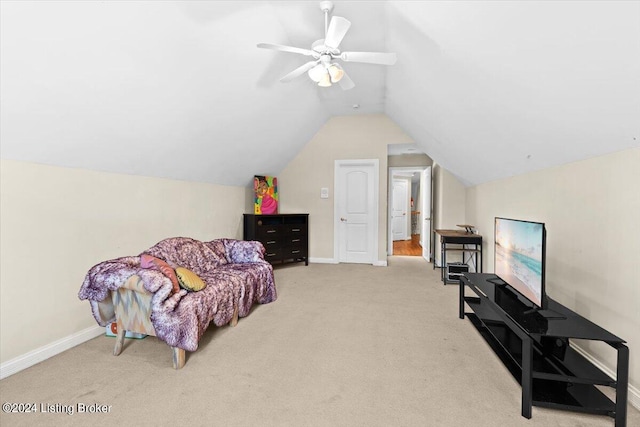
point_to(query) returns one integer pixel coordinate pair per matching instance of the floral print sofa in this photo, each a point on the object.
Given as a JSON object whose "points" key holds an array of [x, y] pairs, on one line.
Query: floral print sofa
{"points": [[143, 297]]}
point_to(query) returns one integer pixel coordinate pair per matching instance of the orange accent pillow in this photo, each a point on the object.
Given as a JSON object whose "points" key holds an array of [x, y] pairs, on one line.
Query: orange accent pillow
{"points": [[148, 261]]}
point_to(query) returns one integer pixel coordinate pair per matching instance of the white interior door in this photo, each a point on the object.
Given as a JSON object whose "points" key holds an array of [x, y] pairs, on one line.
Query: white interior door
{"points": [[356, 208], [425, 213], [400, 201]]}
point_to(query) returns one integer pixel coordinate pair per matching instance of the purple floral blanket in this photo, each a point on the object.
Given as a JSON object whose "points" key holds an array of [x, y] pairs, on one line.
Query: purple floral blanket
{"points": [[234, 271]]}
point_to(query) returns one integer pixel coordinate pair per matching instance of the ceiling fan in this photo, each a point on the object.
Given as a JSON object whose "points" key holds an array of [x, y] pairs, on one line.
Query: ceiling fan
{"points": [[323, 69]]}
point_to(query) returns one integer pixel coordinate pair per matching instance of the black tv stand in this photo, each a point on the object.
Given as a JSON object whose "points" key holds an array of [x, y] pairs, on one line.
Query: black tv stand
{"points": [[533, 310], [537, 351], [546, 313], [497, 281]]}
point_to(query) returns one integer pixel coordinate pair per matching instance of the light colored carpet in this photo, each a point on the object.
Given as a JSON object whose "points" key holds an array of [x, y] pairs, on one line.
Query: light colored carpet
{"points": [[344, 345]]}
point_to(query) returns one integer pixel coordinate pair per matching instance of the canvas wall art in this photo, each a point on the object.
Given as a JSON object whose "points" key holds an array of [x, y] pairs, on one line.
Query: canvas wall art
{"points": [[266, 195]]}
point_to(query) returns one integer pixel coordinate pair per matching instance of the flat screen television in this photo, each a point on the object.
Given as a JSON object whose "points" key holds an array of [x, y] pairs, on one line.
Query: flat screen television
{"points": [[519, 258]]}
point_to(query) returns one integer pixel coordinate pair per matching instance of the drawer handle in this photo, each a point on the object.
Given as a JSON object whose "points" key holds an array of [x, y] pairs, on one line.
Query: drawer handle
{"points": [[295, 252], [295, 229], [271, 254], [271, 231], [295, 240], [271, 242]]}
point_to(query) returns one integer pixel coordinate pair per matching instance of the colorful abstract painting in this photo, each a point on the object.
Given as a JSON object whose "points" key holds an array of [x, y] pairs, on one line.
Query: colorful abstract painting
{"points": [[266, 195]]}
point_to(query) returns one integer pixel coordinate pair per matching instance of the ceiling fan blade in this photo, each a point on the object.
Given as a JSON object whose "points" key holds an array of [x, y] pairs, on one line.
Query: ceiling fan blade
{"points": [[283, 48], [299, 71], [346, 83], [338, 27], [369, 57]]}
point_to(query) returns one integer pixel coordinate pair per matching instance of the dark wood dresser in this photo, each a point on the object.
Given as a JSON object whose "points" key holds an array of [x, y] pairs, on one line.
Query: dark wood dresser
{"points": [[284, 236]]}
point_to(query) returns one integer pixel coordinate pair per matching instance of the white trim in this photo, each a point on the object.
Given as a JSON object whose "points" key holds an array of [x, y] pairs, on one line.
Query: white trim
{"points": [[323, 260], [36, 356], [426, 186], [634, 393], [375, 163], [378, 263]]}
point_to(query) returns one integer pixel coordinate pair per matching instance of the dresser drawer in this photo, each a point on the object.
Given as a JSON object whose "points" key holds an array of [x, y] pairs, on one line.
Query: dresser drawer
{"points": [[294, 252], [294, 229], [267, 232], [271, 242], [273, 254], [294, 240]]}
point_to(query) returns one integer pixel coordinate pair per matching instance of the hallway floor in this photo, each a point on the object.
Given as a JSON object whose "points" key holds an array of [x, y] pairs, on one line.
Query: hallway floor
{"points": [[408, 247]]}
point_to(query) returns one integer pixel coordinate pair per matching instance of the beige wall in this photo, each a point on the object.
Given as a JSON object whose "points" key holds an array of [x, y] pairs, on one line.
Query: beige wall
{"points": [[58, 222], [341, 138], [591, 210], [449, 207]]}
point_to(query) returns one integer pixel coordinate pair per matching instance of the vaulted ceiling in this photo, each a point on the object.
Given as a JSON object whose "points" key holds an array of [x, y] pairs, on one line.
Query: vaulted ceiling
{"points": [[180, 90]]}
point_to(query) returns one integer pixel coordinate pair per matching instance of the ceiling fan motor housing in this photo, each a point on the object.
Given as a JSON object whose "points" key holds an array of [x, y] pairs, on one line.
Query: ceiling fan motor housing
{"points": [[326, 6]]}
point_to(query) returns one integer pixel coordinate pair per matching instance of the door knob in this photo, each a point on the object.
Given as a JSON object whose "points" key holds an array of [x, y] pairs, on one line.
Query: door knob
{"points": [[343, 219]]}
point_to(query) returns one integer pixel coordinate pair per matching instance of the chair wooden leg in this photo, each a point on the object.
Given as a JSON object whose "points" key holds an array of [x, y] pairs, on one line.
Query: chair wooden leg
{"points": [[119, 338], [178, 357], [234, 319]]}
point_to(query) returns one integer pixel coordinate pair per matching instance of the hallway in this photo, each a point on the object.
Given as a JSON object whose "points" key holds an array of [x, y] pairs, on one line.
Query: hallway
{"points": [[408, 247]]}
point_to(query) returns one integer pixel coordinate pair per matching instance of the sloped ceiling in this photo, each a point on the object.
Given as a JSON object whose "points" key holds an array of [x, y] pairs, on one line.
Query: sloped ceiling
{"points": [[179, 89]]}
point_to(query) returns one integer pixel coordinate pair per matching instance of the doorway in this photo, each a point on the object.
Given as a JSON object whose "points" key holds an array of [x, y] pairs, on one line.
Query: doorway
{"points": [[417, 242]]}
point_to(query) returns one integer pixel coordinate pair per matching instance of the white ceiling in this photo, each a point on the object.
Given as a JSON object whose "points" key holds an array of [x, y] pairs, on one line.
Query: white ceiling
{"points": [[177, 89]]}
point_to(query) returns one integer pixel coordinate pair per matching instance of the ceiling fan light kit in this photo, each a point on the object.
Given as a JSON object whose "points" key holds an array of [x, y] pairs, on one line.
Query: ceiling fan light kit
{"points": [[325, 81], [326, 72], [322, 70], [335, 72], [317, 72]]}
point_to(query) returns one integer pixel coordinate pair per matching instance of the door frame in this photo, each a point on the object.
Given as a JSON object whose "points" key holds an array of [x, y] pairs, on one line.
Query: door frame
{"points": [[375, 163], [426, 237], [407, 206], [391, 171]]}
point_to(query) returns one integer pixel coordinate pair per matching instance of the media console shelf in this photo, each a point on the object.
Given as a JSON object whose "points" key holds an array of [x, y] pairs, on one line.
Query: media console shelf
{"points": [[536, 350]]}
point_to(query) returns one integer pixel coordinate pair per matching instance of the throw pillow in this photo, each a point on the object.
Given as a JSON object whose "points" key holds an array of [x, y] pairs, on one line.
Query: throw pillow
{"points": [[242, 251], [189, 280], [148, 261]]}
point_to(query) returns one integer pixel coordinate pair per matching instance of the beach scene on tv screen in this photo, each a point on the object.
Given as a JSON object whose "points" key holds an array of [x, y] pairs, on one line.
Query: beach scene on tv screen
{"points": [[518, 256]]}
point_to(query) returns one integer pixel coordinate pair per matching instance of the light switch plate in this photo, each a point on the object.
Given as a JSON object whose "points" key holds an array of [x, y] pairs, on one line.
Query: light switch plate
{"points": [[324, 193]]}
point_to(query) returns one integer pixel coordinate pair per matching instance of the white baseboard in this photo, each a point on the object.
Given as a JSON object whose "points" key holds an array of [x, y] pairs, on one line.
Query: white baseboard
{"points": [[335, 261], [634, 393], [36, 356], [323, 260]]}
